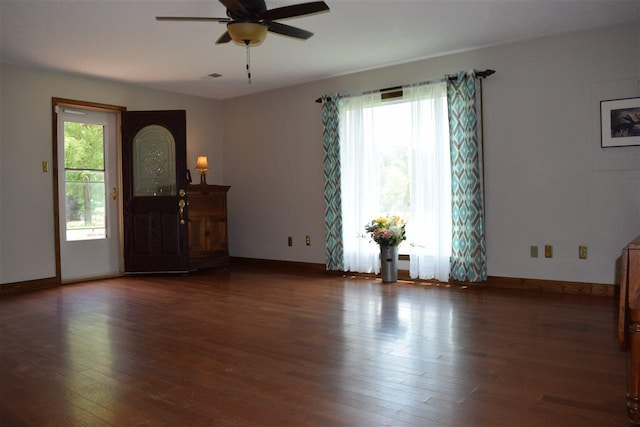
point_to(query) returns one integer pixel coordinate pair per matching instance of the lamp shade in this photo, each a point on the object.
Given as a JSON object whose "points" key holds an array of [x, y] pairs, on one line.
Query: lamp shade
{"points": [[202, 164], [247, 32]]}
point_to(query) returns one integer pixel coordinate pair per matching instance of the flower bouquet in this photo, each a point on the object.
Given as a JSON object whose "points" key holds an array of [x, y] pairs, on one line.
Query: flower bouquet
{"points": [[387, 230]]}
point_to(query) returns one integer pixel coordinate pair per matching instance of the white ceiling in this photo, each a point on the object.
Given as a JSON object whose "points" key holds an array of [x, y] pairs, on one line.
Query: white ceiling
{"points": [[121, 40]]}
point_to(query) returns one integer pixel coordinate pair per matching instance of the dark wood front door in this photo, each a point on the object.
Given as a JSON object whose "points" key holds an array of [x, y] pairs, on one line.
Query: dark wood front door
{"points": [[154, 187]]}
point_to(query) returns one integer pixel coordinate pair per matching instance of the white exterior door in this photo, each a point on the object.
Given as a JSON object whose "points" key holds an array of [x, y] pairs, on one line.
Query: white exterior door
{"points": [[88, 196]]}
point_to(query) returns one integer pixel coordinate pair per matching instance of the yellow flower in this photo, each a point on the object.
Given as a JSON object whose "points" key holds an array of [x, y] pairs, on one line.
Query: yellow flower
{"points": [[383, 221]]}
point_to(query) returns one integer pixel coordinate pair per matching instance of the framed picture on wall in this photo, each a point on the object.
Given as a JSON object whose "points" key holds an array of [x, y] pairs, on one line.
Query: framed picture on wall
{"points": [[620, 122]]}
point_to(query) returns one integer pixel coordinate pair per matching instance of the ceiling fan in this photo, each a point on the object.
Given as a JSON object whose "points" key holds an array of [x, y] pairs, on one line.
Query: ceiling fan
{"points": [[249, 20]]}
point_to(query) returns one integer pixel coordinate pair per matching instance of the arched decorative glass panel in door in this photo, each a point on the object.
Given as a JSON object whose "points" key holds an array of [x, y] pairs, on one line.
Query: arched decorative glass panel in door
{"points": [[154, 172]]}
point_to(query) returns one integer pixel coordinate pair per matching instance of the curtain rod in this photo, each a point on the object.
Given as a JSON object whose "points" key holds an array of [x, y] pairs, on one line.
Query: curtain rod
{"points": [[479, 74]]}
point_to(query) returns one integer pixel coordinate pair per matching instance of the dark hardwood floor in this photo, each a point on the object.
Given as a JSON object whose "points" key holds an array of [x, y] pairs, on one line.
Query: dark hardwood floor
{"points": [[263, 348]]}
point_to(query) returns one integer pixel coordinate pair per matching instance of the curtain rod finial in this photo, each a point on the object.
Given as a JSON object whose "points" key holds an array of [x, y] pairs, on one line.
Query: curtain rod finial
{"points": [[486, 73]]}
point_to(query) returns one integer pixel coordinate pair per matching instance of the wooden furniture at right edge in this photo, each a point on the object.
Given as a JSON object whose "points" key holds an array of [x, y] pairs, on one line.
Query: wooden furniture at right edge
{"points": [[208, 244], [629, 323]]}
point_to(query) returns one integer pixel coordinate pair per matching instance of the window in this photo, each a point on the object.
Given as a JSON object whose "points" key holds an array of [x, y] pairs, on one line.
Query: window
{"points": [[395, 160]]}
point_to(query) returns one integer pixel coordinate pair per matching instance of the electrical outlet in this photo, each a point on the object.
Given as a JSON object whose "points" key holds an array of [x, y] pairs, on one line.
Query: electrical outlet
{"points": [[308, 240], [582, 251], [534, 251], [548, 251], [290, 241]]}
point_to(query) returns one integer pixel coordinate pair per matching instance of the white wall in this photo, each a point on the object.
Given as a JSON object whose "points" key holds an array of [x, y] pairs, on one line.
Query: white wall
{"points": [[26, 193], [547, 179]]}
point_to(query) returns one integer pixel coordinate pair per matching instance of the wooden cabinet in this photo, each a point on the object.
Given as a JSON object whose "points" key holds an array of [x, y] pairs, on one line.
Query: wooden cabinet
{"points": [[629, 324], [208, 244]]}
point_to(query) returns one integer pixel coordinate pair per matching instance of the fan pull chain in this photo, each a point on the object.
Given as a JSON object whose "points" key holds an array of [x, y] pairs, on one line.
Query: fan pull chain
{"points": [[246, 42]]}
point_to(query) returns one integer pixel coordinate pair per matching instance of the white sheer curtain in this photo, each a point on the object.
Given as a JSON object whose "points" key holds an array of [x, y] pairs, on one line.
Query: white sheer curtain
{"points": [[429, 225], [360, 181], [364, 136]]}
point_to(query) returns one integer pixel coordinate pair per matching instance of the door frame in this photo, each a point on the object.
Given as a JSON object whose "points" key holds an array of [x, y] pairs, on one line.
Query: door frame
{"points": [[105, 108]]}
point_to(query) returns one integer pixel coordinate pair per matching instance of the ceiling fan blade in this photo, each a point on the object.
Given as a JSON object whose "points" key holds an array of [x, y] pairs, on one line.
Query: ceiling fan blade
{"points": [[191, 18], [235, 7], [225, 38], [294, 10], [287, 30]]}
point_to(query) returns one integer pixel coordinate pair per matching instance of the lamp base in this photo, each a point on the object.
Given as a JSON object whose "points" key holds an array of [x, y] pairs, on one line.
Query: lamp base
{"points": [[203, 179]]}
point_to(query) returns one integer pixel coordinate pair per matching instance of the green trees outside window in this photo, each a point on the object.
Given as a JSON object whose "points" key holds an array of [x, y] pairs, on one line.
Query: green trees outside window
{"points": [[85, 193]]}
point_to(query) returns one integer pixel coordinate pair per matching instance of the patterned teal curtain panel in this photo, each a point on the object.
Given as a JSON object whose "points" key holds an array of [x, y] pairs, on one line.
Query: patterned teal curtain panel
{"points": [[468, 250], [332, 195]]}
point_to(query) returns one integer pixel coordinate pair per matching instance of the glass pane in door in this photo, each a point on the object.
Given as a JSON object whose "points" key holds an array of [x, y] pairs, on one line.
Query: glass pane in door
{"points": [[85, 191], [154, 172]]}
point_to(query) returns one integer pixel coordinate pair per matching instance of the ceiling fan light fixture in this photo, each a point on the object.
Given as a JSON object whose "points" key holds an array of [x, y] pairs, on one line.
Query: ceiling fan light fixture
{"points": [[240, 32]]}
